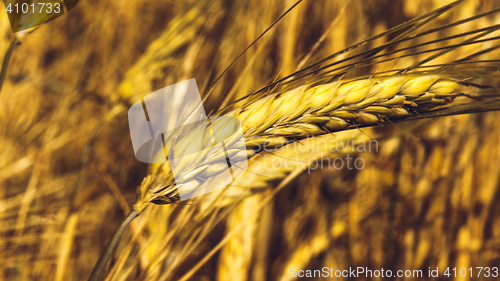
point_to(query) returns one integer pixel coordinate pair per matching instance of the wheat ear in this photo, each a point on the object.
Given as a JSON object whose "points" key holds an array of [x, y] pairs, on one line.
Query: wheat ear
{"points": [[277, 119]]}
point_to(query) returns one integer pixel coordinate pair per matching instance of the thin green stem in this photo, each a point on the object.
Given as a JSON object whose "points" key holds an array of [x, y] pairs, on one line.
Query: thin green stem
{"points": [[6, 59], [112, 245]]}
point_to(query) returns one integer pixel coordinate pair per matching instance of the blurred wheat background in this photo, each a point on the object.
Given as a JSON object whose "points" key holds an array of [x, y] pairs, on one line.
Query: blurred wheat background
{"points": [[426, 198]]}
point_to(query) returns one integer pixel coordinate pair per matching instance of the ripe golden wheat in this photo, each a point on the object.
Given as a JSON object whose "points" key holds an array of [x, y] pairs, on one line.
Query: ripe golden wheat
{"points": [[281, 118]]}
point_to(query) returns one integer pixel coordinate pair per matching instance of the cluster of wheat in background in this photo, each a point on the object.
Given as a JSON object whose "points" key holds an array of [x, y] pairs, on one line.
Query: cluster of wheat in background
{"points": [[424, 198]]}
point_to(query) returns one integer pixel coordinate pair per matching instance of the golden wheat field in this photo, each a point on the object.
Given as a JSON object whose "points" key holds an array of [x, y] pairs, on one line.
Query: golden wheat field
{"points": [[371, 129]]}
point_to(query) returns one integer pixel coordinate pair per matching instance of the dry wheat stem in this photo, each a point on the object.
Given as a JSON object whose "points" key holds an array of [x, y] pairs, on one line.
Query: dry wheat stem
{"points": [[277, 119]]}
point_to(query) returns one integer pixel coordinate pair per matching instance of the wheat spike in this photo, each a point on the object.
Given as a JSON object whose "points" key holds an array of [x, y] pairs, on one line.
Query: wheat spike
{"points": [[336, 106], [277, 119]]}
